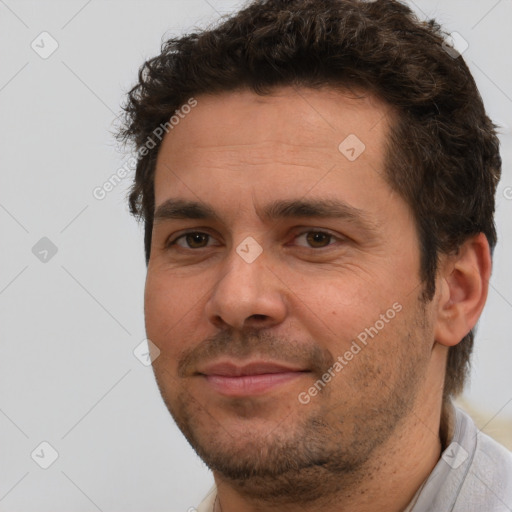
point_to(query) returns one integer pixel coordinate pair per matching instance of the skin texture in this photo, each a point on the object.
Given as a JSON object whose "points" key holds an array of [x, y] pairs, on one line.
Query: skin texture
{"points": [[370, 437]]}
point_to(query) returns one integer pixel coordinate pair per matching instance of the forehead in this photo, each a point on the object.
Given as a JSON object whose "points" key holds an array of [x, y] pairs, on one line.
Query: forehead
{"points": [[292, 134], [283, 115]]}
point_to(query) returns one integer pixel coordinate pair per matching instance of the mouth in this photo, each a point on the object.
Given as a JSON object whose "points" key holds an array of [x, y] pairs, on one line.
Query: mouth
{"points": [[255, 378]]}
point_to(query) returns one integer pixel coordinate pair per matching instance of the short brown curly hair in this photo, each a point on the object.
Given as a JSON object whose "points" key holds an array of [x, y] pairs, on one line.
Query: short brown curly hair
{"points": [[442, 155]]}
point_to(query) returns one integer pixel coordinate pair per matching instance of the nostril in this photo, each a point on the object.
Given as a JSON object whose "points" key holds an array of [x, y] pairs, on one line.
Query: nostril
{"points": [[258, 318]]}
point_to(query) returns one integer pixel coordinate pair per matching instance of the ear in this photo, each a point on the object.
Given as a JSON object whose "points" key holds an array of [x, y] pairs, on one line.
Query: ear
{"points": [[463, 283]]}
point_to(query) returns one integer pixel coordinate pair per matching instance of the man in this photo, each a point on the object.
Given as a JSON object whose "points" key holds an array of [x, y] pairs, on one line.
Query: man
{"points": [[317, 182]]}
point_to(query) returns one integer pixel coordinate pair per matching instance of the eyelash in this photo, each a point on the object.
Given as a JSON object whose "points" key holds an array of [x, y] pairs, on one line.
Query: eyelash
{"points": [[174, 241]]}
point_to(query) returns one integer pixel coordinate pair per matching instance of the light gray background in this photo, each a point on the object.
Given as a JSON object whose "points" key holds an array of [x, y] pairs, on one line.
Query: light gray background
{"points": [[68, 327]]}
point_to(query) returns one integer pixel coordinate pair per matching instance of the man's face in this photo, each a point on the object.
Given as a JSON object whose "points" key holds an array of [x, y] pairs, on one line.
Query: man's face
{"points": [[281, 258]]}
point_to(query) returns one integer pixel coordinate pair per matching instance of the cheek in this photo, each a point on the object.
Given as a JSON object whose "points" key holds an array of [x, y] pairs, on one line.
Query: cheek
{"points": [[337, 313], [170, 308], [175, 320], [338, 305], [156, 296]]}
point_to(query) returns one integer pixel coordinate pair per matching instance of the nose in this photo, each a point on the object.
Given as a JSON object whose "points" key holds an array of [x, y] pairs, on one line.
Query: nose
{"points": [[246, 295]]}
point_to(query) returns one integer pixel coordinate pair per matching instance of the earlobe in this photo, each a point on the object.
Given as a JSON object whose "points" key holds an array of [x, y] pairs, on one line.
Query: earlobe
{"points": [[463, 284]]}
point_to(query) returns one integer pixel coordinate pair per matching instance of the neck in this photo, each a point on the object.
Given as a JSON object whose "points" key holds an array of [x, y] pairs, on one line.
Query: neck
{"points": [[447, 427], [388, 481]]}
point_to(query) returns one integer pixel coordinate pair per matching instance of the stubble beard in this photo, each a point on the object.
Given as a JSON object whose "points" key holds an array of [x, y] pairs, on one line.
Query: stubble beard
{"points": [[319, 450]]}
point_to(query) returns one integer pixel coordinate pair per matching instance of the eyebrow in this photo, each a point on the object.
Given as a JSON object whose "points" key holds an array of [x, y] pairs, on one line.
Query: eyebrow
{"points": [[283, 209], [184, 209]]}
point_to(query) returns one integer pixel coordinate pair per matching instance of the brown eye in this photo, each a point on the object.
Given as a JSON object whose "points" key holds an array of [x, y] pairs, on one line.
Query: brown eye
{"points": [[192, 240], [197, 240], [318, 239]]}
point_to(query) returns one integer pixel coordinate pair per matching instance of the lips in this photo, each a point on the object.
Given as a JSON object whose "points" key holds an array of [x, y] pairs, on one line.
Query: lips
{"points": [[229, 369], [255, 378]]}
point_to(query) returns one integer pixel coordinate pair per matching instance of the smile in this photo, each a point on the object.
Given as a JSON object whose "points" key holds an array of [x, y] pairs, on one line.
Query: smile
{"points": [[251, 379]]}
